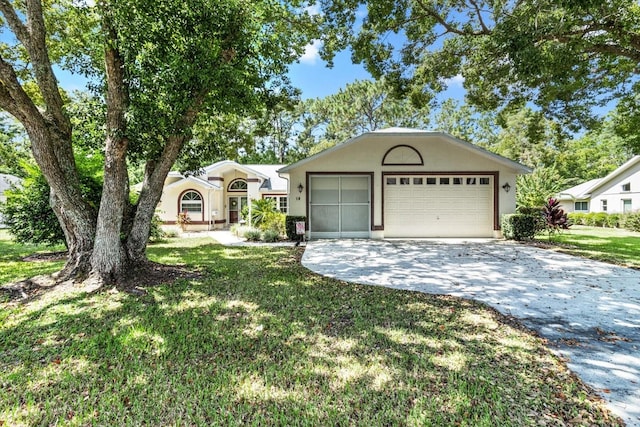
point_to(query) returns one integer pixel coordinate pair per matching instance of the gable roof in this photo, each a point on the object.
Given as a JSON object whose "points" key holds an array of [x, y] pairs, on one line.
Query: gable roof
{"points": [[271, 181], [418, 133], [196, 180], [584, 190], [578, 191]]}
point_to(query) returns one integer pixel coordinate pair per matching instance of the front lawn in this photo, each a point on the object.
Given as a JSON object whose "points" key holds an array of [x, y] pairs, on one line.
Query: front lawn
{"points": [[12, 266], [612, 245], [263, 341]]}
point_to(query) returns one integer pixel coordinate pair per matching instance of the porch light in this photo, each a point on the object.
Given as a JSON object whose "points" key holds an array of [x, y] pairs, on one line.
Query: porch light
{"points": [[506, 187], [300, 188]]}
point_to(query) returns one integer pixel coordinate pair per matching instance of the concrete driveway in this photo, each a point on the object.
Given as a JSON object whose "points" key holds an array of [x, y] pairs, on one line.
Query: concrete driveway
{"points": [[589, 311]]}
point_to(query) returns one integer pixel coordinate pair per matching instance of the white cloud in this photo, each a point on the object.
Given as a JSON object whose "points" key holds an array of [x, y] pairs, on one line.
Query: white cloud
{"points": [[456, 80], [311, 53]]}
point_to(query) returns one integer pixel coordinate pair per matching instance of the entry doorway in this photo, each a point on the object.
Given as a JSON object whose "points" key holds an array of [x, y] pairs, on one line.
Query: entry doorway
{"points": [[236, 203]]}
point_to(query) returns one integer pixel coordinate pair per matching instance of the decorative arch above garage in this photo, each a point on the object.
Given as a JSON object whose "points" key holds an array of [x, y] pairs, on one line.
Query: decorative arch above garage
{"points": [[402, 155]]}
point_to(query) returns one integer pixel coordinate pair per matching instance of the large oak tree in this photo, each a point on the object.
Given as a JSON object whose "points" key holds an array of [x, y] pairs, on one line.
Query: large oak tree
{"points": [[160, 65]]}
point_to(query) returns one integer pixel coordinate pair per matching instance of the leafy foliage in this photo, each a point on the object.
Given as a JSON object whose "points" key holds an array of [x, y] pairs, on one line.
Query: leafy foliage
{"points": [[631, 221], [566, 57], [28, 212], [555, 217], [535, 189], [520, 226]]}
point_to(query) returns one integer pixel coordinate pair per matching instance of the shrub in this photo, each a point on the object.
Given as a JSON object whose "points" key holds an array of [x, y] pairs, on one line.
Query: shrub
{"points": [[253, 235], [520, 226], [554, 216], [577, 218], [156, 233], [271, 236], [28, 213], [600, 219], [613, 220], [290, 225], [274, 221], [183, 220], [632, 221]]}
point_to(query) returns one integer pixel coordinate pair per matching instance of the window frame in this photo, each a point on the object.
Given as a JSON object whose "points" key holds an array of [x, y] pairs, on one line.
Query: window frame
{"points": [[581, 202], [231, 189], [181, 201]]}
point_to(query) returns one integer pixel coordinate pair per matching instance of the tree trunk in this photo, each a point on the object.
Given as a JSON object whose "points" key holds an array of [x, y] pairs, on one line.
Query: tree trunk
{"points": [[156, 172], [108, 260]]}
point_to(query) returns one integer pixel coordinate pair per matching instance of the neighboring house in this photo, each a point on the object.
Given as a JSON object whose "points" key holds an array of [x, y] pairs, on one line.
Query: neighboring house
{"points": [[618, 192], [403, 183], [6, 182], [215, 198]]}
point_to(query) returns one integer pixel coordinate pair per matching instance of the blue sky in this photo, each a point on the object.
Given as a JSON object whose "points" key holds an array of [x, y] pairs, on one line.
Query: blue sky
{"points": [[312, 76]]}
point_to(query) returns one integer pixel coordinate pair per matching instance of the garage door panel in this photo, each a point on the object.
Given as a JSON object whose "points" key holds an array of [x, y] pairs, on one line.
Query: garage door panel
{"points": [[443, 209], [339, 206]]}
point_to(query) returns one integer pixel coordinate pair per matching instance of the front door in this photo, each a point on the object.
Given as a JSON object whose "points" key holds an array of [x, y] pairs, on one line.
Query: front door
{"points": [[236, 203]]}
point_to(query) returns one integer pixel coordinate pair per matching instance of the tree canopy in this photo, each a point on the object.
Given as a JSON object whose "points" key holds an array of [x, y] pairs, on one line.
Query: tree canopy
{"points": [[564, 56]]}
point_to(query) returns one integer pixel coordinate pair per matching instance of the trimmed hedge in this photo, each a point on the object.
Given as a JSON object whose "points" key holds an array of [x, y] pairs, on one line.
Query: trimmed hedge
{"points": [[520, 226], [290, 226]]}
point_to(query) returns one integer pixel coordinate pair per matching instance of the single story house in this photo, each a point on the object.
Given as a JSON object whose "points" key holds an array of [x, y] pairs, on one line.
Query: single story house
{"points": [[6, 182], [618, 192], [398, 182], [215, 198]]}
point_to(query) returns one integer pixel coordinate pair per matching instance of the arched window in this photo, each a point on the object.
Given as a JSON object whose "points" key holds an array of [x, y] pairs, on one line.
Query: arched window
{"points": [[238, 185], [191, 202]]}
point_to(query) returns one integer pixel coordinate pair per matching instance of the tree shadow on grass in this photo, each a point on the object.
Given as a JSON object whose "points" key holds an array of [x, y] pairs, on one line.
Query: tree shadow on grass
{"points": [[261, 340]]}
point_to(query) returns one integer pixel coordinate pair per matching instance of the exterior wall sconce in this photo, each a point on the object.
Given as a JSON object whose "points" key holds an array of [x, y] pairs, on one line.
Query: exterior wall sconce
{"points": [[506, 187], [300, 188]]}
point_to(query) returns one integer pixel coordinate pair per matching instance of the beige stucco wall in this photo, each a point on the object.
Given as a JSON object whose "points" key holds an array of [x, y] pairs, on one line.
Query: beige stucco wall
{"points": [[365, 155], [214, 200]]}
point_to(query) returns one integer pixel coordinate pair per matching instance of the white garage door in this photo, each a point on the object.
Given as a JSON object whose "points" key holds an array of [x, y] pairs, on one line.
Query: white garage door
{"points": [[438, 206], [339, 206]]}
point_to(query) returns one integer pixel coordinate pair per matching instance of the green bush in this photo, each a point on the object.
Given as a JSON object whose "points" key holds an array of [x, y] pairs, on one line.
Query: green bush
{"points": [[274, 221], [156, 233], [271, 236], [290, 224], [253, 235], [613, 220], [520, 226], [578, 218], [28, 213], [632, 221]]}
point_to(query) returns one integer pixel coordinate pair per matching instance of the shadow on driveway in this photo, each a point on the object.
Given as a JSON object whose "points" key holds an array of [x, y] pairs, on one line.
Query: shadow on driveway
{"points": [[588, 310]]}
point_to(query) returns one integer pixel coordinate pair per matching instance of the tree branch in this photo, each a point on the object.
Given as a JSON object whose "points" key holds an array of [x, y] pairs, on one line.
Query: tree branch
{"points": [[485, 29], [15, 24], [450, 28], [43, 70]]}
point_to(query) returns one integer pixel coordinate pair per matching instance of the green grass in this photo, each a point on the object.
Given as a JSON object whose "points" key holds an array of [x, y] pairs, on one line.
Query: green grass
{"points": [[263, 341], [604, 244], [13, 268]]}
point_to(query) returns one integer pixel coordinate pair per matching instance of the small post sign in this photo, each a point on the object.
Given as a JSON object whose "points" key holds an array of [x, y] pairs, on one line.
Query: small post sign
{"points": [[300, 228]]}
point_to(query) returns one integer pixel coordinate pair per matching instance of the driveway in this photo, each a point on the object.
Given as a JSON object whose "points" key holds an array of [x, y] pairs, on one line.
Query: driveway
{"points": [[589, 311]]}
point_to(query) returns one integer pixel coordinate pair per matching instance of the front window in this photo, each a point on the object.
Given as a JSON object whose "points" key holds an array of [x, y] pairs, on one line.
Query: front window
{"points": [[191, 202], [603, 205], [626, 206], [238, 185], [280, 202], [581, 207], [626, 187]]}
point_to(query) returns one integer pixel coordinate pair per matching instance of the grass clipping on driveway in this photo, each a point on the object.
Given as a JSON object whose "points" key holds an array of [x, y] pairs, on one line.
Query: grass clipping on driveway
{"points": [[263, 341]]}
